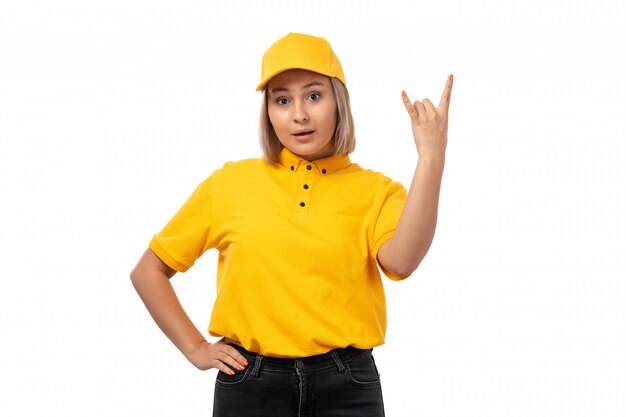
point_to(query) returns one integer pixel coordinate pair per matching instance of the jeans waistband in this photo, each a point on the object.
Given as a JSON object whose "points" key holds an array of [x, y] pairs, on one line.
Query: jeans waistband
{"points": [[336, 357]]}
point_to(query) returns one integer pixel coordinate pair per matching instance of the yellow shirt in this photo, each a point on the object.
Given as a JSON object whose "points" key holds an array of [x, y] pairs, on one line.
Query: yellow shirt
{"points": [[297, 272]]}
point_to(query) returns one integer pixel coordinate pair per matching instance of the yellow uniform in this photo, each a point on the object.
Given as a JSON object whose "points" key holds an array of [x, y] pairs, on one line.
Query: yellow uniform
{"points": [[297, 272]]}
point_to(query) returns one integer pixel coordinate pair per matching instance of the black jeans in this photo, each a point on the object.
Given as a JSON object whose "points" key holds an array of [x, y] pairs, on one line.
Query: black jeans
{"points": [[340, 383]]}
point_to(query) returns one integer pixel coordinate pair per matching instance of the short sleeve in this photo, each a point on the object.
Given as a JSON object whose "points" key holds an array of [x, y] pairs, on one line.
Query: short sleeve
{"points": [[187, 235], [387, 221]]}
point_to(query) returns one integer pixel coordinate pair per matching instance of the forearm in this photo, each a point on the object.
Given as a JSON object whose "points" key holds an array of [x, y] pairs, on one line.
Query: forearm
{"points": [[160, 299], [416, 227], [414, 234]]}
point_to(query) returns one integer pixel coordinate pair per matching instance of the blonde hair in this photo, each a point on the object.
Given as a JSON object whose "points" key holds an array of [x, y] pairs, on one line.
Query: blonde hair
{"points": [[343, 137]]}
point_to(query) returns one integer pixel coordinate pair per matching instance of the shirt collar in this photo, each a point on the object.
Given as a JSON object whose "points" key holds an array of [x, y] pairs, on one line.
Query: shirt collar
{"points": [[325, 165]]}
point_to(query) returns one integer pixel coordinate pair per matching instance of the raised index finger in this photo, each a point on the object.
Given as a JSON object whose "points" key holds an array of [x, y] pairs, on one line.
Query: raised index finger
{"points": [[444, 103]]}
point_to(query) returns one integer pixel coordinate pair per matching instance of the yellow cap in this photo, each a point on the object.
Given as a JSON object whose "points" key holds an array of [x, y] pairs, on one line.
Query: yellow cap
{"points": [[297, 50]]}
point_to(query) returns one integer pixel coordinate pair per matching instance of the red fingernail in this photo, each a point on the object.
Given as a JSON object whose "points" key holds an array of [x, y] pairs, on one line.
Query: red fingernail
{"points": [[244, 362], [450, 77], [231, 372], [403, 93]]}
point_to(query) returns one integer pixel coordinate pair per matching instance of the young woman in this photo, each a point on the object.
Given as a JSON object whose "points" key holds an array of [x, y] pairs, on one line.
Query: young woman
{"points": [[301, 234]]}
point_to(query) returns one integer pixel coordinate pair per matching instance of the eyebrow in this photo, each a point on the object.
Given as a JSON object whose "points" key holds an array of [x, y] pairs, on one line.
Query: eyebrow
{"points": [[312, 83]]}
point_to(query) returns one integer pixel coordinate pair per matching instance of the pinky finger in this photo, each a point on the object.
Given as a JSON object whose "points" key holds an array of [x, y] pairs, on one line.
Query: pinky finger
{"points": [[221, 366]]}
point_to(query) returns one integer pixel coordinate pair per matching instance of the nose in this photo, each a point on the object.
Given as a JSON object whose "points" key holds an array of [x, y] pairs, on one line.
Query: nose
{"points": [[299, 112]]}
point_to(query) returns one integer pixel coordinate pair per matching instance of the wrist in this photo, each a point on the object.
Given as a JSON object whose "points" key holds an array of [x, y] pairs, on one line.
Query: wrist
{"points": [[435, 160], [191, 351]]}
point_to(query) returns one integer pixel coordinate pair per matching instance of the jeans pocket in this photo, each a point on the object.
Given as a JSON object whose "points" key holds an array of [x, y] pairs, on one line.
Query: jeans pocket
{"points": [[362, 371], [225, 380]]}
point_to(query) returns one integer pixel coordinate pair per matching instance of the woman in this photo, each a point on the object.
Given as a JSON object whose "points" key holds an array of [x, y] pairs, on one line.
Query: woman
{"points": [[300, 234]]}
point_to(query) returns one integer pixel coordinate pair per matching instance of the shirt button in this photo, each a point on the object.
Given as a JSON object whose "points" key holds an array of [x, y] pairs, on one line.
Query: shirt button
{"points": [[299, 364], [301, 204], [292, 168], [306, 187], [308, 167]]}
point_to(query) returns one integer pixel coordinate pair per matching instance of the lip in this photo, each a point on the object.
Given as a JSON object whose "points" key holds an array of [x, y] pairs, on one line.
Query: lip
{"points": [[308, 134]]}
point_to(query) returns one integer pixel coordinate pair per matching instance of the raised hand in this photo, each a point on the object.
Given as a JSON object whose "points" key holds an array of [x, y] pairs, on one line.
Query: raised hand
{"points": [[430, 123]]}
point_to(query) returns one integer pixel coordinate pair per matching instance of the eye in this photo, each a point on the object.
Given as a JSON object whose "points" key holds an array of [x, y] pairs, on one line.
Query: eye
{"points": [[314, 96], [281, 101]]}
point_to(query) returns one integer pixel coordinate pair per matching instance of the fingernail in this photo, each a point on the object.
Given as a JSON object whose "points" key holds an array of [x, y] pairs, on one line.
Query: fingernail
{"points": [[244, 362], [241, 367], [403, 93], [450, 77], [231, 372]]}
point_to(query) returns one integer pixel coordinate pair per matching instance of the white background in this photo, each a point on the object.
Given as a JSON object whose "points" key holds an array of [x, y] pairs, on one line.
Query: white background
{"points": [[111, 112]]}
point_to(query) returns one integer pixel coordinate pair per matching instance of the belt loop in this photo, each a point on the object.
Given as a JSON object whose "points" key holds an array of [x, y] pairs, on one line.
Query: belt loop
{"points": [[340, 364], [257, 365]]}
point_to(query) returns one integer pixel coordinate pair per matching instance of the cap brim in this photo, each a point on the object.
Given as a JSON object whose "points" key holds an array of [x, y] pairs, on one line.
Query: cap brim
{"points": [[267, 79]]}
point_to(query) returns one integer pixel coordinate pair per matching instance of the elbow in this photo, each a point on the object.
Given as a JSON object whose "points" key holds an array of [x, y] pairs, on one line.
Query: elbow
{"points": [[404, 268], [403, 272], [135, 277], [139, 280], [397, 265]]}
